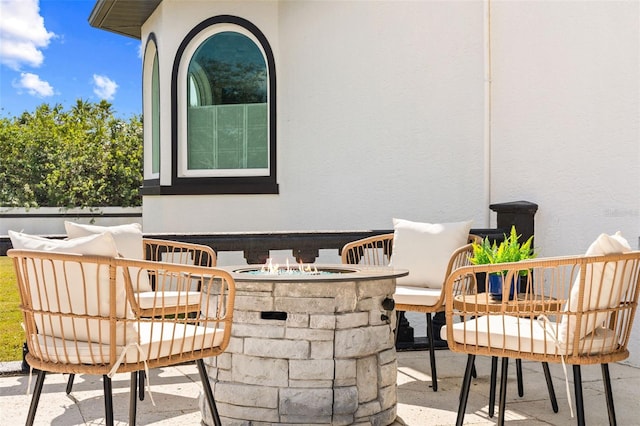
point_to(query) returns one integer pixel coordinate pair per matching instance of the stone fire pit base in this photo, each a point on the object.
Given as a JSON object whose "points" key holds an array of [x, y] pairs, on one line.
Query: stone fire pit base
{"points": [[309, 350]]}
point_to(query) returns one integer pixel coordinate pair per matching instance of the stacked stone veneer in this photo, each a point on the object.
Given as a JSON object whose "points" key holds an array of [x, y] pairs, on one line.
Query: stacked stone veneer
{"points": [[332, 361]]}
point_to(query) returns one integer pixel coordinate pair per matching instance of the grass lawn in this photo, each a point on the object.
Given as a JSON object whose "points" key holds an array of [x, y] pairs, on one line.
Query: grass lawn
{"points": [[11, 333]]}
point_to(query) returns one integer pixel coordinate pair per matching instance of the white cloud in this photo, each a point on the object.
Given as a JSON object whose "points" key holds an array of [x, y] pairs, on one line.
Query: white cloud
{"points": [[22, 34], [141, 49], [104, 87], [33, 85]]}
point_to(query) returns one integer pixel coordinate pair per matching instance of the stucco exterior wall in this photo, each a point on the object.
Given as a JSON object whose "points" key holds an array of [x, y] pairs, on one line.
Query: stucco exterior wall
{"points": [[380, 115], [431, 111], [565, 118]]}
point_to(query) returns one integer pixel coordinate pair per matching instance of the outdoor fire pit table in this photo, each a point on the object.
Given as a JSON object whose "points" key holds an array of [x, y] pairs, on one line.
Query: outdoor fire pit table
{"points": [[309, 347]]}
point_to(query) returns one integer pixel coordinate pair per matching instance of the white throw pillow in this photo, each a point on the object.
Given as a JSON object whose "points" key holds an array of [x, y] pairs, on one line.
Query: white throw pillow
{"points": [[425, 250], [78, 289], [128, 240], [96, 245], [128, 237], [596, 274]]}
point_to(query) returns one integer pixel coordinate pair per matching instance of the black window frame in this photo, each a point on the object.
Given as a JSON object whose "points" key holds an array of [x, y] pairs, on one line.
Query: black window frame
{"points": [[153, 182], [221, 185]]}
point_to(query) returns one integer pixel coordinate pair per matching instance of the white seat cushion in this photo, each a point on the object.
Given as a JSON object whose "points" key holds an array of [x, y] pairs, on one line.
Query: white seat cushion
{"points": [[156, 340], [408, 295], [424, 249], [524, 335], [167, 299]]}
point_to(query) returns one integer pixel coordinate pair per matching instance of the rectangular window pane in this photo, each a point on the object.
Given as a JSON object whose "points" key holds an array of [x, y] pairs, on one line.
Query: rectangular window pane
{"points": [[231, 130], [257, 141], [201, 153], [227, 137]]}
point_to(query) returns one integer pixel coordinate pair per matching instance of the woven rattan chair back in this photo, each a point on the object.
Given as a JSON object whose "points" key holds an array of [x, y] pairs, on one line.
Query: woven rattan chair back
{"points": [[150, 302], [81, 315], [377, 251]]}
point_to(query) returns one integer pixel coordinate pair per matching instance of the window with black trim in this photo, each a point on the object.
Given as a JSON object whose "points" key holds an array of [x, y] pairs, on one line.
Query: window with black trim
{"points": [[155, 116], [151, 79], [227, 120], [223, 117]]}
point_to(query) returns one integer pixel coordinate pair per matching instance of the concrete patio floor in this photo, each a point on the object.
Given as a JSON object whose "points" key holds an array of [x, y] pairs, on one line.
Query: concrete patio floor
{"points": [[175, 391]]}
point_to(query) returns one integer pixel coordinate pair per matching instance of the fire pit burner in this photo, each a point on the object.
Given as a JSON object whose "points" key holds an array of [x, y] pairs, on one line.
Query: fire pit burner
{"points": [[270, 268]]}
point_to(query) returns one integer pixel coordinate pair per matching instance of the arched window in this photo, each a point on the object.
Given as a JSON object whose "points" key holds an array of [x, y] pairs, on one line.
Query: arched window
{"points": [[151, 109], [155, 116], [223, 117]]}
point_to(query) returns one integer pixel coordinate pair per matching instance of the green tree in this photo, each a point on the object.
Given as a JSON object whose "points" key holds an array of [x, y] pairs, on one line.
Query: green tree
{"points": [[77, 158]]}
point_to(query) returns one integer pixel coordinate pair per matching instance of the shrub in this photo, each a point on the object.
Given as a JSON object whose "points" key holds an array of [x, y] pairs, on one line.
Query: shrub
{"points": [[77, 158]]}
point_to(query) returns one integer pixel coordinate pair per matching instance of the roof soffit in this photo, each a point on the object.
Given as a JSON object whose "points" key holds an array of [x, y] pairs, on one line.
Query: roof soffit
{"points": [[123, 17]]}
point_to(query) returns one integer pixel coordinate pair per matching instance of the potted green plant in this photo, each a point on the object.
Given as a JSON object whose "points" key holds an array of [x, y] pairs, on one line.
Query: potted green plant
{"points": [[509, 250]]}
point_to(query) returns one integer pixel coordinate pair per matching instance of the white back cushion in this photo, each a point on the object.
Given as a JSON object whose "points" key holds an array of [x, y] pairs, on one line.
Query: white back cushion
{"points": [[604, 287], [77, 288], [96, 245], [128, 240], [425, 250], [128, 237]]}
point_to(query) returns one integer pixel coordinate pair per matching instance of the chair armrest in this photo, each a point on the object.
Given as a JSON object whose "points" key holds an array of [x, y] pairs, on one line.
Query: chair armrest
{"points": [[374, 250], [178, 252]]}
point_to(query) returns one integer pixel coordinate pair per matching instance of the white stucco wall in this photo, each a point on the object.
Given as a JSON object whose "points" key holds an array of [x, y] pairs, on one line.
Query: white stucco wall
{"points": [[380, 114], [566, 111], [383, 112]]}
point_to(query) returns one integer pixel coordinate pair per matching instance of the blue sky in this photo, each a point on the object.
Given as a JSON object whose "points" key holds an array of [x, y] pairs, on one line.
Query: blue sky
{"points": [[50, 54]]}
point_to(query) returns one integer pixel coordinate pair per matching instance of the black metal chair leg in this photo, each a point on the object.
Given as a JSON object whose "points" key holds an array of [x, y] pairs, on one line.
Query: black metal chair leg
{"points": [[133, 401], [577, 385], [35, 399], [552, 392], [108, 400], [519, 377], [609, 394], [474, 373], [503, 390], [141, 378], [492, 385], [204, 378], [432, 353], [70, 383], [464, 391]]}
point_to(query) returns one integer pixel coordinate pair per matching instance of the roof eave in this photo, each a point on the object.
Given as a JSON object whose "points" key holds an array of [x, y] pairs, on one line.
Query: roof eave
{"points": [[124, 17]]}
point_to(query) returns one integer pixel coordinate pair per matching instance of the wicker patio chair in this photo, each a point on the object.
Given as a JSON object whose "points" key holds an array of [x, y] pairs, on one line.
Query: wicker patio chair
{"points": [[81, 315], [150, 301], [377, 250], [575, 310]]}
